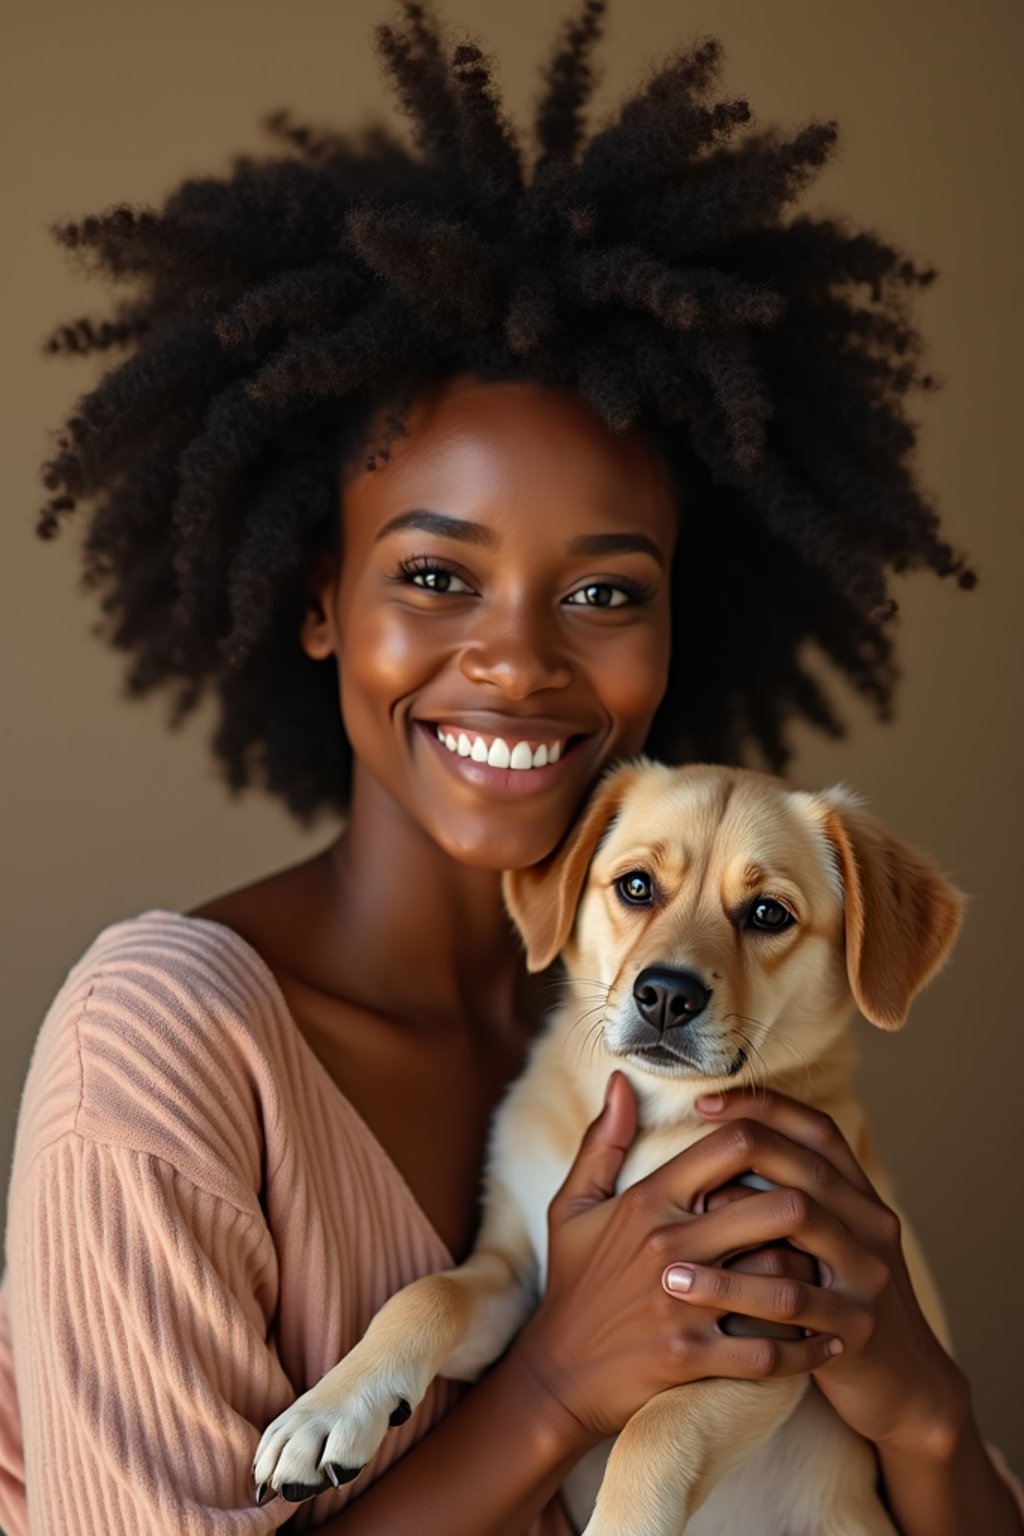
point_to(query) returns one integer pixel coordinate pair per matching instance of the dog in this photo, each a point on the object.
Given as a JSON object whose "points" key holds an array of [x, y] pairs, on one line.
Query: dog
{"points": [[724, 924]]}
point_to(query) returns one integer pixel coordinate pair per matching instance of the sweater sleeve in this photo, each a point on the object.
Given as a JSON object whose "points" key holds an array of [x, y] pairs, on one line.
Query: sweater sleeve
{"points": [[138, 1311]]}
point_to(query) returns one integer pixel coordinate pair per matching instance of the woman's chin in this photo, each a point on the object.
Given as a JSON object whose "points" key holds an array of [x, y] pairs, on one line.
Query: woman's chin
{"points": [[500, 848]]}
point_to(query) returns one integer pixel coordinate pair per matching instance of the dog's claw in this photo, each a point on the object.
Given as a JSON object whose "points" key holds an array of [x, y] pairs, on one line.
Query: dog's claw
{"points": [[340, 1475], [401, 1413], [297, 1493], [265, 1494]]}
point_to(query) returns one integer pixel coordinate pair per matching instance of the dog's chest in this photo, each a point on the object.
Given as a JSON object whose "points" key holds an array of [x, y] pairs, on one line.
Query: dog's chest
{"points": [[656, 1147]]}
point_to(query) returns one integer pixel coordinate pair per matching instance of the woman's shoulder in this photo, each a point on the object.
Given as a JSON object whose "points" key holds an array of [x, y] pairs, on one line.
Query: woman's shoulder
{"points": [[166, 1036], [171, 979]]}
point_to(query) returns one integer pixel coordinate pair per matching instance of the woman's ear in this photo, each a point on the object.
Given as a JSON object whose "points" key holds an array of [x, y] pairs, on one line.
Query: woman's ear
{"points": [[317, 633], [902, 916], [542, 899]]}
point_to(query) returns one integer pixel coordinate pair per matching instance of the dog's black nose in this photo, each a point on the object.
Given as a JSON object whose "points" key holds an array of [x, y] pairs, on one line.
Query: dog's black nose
{"points": [[665, 997]]}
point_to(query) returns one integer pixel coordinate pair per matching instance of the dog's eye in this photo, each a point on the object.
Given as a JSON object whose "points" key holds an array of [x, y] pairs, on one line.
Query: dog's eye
{"points": [[770, 916], [637, 888]]}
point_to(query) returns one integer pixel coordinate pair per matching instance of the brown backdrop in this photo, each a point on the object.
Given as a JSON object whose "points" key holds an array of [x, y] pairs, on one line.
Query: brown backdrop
{"points": [[106, 813]]}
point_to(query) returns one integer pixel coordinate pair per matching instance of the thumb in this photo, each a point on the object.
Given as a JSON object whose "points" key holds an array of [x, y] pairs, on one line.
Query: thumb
{"points": [[602, 1152]]}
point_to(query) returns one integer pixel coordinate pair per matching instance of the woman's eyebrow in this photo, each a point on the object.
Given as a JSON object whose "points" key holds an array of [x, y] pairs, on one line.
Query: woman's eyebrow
{"points": [[425, 521], [436, 522], [616, 544]]}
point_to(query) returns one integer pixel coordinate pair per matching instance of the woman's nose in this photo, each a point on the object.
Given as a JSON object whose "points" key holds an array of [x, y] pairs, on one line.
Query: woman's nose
{"points": [[517, 655]]}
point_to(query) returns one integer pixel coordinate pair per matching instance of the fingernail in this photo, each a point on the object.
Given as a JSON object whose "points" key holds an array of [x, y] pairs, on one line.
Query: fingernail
{"points": [[835, 1346], [678, 1278], [710, 1103], [608, 1090]]}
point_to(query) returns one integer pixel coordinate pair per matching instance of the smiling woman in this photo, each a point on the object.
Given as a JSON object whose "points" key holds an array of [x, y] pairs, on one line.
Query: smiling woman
{"points": [[531, 614], [455, 479]]}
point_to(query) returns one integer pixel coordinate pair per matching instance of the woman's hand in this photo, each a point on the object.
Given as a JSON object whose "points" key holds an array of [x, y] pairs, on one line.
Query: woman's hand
{"points": [[893, 1382], [608, 1334]]}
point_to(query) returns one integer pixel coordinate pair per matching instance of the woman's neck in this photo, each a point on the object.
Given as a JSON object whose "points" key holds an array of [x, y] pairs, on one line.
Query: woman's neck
{"points": [[411, 918]]}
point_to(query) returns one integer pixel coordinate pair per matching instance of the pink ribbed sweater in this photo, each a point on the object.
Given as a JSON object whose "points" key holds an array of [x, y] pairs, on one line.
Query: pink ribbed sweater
{"points": [[200, 1225]]}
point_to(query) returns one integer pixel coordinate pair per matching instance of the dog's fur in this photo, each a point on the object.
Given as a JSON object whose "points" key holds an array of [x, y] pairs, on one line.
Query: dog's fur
{"points": [[874, 921]]}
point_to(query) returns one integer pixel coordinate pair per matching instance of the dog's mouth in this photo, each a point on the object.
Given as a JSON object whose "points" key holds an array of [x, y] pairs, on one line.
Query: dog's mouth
{"points": [[663, 1056]]}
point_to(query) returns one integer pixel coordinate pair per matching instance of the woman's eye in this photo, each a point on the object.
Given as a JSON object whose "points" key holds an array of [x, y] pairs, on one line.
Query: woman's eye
{"points": [[599, 594], [770, 916], [436, 579], [637, 888]]}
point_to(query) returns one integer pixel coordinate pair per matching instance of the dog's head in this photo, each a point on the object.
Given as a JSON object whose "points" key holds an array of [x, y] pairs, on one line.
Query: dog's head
{"points": [[717, 921]]}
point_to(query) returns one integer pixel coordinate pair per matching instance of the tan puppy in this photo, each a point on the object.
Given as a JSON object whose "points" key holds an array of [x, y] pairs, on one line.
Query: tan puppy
{"points": [[723, 924]]}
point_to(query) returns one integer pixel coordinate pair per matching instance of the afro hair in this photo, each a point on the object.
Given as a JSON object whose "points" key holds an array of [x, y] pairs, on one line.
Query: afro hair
{"points": [[654, 267]]}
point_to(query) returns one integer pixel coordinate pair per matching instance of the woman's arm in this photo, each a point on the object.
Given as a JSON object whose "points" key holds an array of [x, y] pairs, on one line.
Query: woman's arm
{"points": [[143, 1372], [948, 1487], [605, 1339]]}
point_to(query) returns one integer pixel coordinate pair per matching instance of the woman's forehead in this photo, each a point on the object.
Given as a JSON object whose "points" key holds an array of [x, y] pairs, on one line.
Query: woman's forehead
{"points": [[474, 442]]}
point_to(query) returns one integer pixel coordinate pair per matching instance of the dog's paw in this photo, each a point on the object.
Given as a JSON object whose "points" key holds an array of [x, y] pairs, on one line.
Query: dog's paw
{"points": [[318, 1443]]}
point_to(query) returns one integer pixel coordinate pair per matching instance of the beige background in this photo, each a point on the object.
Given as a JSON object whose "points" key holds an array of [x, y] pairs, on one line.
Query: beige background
{"points": [[105, 813]]}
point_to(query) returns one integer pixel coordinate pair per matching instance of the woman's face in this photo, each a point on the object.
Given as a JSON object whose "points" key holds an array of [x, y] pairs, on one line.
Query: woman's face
{"points": [[503, 599]]}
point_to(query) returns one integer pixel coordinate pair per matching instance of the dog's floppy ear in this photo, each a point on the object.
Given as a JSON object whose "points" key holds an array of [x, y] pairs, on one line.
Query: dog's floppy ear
{"points": [[542, 899], [902, 915]]}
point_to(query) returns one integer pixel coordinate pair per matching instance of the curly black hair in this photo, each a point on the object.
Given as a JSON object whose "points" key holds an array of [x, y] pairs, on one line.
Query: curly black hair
{"points": [[276, 312]]}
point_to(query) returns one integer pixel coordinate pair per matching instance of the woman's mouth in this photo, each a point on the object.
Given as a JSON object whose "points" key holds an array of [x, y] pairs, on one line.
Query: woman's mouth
{"points": [[508, 762], [519, 754]]}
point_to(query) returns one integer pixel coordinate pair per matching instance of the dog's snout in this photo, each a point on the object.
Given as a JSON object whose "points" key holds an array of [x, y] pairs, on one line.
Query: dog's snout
{"points": [[666, 997]]}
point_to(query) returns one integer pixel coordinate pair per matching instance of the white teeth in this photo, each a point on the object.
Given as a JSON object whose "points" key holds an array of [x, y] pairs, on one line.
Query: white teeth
{"points": [[499, 755]]}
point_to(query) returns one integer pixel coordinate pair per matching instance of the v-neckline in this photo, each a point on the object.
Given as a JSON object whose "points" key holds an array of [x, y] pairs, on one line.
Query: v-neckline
{"points": [[281, 1004]]}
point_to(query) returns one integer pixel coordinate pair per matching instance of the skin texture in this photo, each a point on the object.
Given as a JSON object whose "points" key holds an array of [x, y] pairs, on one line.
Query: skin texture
{"points": [[400, 966]]}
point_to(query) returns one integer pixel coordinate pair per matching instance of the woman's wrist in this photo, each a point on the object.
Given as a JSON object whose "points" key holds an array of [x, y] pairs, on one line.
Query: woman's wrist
{"points": [[513, 1434], [935, 1430], [941, 1481], [549, 1404]]}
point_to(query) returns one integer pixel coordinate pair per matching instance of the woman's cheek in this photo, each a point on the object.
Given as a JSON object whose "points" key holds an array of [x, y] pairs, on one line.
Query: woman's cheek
{"points": [[383, 661], [633, 683]]}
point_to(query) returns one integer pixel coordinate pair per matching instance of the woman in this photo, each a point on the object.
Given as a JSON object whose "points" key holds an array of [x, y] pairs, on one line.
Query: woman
{"points": [[404, 446]]}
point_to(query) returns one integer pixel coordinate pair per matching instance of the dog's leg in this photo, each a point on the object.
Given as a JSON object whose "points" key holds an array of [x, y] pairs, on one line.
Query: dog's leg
{"points": [[673, 1450], [814, 1476], [451, 1324]]}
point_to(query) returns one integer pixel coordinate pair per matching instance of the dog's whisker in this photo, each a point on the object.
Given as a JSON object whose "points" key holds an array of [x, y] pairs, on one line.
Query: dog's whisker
{"points": [[758, 1057], [593, 1023], [578, 983], [577, 1022], [597, 1030], [779, 1035], [592, 1031], [750, 1043]]}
